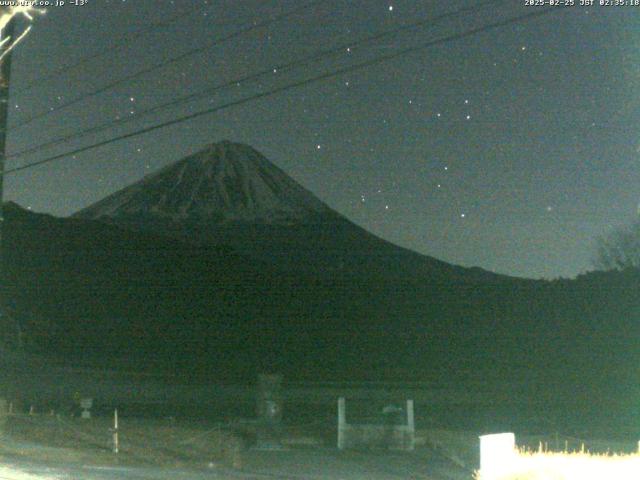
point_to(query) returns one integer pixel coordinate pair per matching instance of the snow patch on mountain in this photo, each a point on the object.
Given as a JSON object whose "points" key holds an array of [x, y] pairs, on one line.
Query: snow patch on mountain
{"points": [[225, 182]]}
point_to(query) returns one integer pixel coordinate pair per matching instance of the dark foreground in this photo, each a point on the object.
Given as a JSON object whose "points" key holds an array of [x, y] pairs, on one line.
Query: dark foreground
{"points": [[299, 463]]}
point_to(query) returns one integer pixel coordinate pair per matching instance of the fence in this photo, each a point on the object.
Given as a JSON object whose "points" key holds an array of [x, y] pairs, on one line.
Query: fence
{"points": [[387, 433]]}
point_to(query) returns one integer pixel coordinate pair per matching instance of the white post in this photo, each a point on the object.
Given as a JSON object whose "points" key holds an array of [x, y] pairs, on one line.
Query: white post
{"points": [[342, 422], [116, 446], [411, 425], [497, 455]]}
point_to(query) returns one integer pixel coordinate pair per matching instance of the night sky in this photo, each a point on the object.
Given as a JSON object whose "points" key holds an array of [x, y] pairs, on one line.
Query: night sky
{"points": [[511, 149]]}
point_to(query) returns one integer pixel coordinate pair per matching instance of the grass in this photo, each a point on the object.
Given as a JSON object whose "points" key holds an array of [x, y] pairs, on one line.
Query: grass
{"points": [[142, 442], [461, 448], [175, 443]]}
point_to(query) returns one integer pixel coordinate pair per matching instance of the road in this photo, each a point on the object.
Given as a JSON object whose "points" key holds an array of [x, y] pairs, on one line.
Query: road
{"points": [[297, 464]]}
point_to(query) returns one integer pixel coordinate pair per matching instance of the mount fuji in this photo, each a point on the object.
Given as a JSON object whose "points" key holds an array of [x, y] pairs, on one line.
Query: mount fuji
{"points": [[220, 265], [230, 194], [224, 183]]}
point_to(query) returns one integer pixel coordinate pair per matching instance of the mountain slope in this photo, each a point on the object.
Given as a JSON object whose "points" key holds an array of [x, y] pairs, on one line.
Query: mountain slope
{"points": [[159, 271], [229, 194], [220, 267], [225, 182], [88, 293]]}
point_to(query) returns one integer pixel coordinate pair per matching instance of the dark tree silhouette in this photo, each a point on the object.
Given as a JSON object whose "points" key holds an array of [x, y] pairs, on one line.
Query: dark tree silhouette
{"points": [[620, 249]]}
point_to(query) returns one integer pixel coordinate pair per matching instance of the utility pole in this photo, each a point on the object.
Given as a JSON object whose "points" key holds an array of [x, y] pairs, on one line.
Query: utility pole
{"points": [[5, 75]]}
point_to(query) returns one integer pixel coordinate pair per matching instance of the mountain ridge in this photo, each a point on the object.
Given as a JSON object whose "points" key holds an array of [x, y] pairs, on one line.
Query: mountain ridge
{"points": [[230, 194], [224, 182]]}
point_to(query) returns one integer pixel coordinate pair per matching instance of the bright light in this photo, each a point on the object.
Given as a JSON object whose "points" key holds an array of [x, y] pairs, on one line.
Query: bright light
{"points": [[501, 461], [12, 473], [570, 466], [6, 14], [497, 455]]}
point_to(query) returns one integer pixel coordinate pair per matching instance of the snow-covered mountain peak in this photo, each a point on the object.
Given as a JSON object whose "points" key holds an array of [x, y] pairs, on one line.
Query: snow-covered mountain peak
{"points": [[224, 182]]}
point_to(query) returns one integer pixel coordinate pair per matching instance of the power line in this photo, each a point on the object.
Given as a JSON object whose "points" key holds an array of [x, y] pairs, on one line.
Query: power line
{"points": [[109, 86], [128, 38], [269, 71], [324, 76]]}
